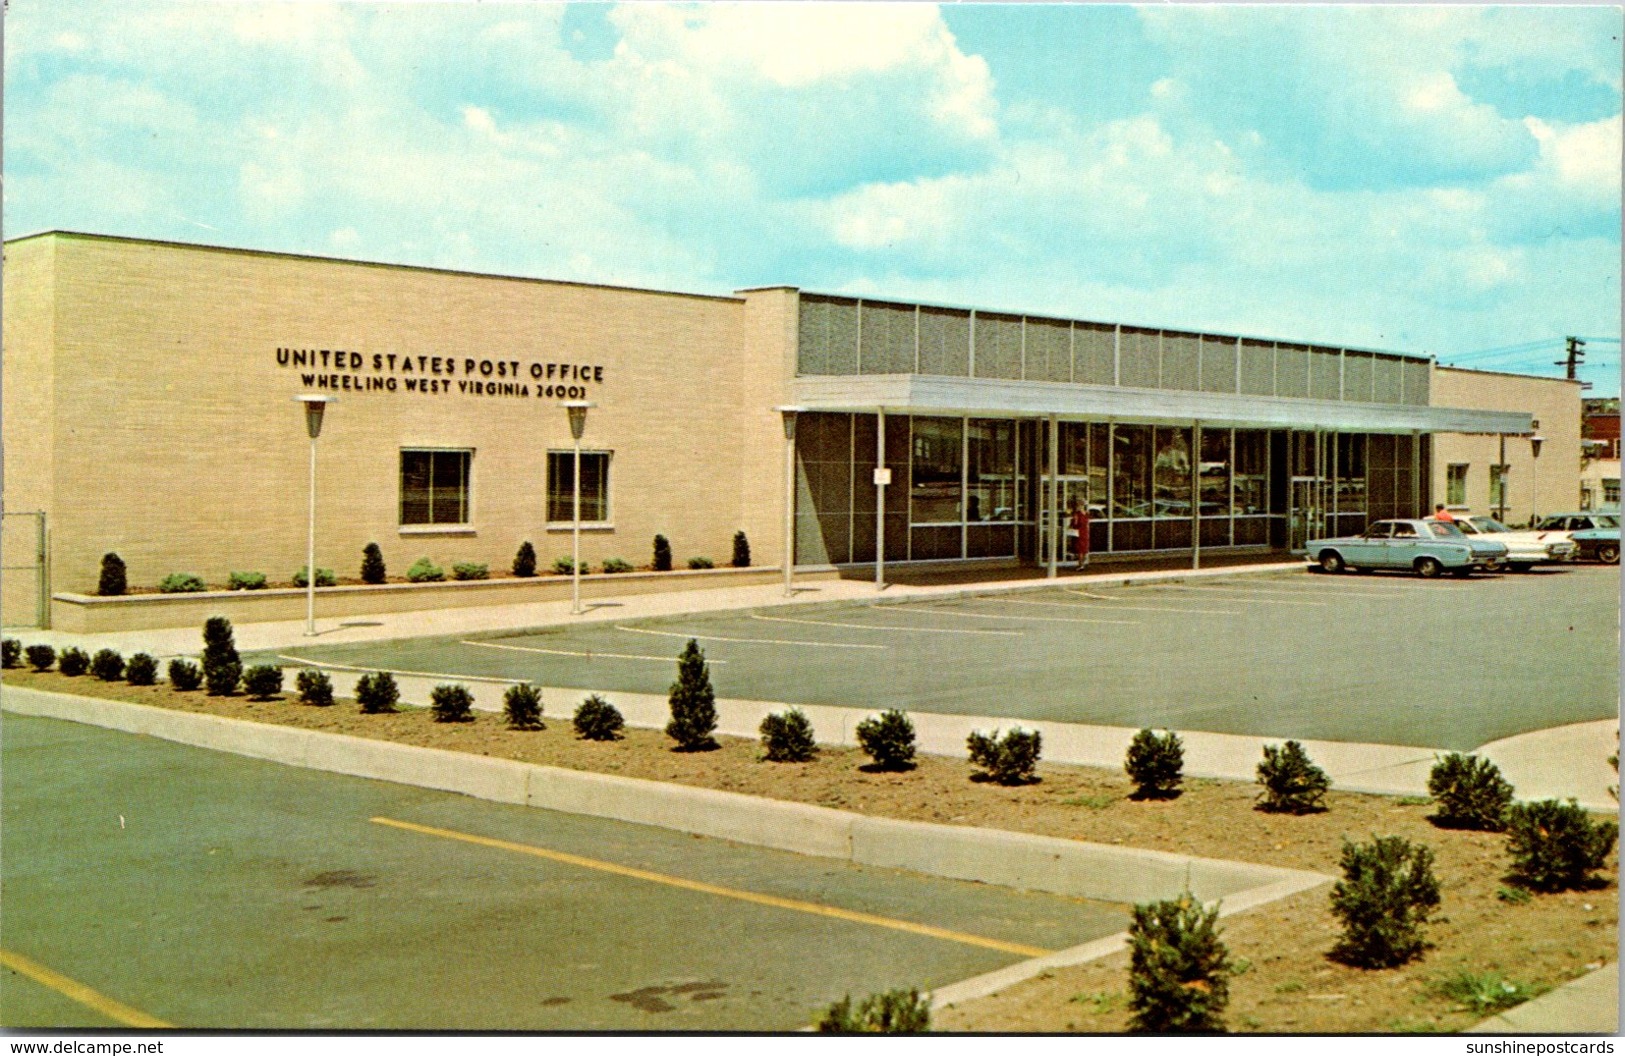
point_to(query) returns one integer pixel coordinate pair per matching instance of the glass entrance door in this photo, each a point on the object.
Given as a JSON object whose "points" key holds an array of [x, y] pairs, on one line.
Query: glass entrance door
{"points": [[1306, 518]]}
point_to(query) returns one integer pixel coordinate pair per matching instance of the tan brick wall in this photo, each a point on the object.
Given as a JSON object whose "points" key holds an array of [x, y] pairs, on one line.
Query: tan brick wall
{"points": [[27, 319], [177, 443], [1549, 486]]}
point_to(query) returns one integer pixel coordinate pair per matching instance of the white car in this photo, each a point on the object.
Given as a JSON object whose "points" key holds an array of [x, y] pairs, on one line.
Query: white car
{"points": [[1524, 549]]}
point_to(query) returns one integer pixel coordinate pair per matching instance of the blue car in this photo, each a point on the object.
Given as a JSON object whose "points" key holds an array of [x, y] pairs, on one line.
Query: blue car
{"points": [[1426, 548]]}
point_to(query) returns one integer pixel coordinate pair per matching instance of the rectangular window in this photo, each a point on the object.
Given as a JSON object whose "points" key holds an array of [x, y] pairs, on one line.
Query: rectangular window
{"points": [[1610, 491], [1455, 484], [1172, 469], [1215, 472], [992, 471], [938, 490], [1131, 471], [1252, 471], [561, 486], [1498, 489], [434, 487]]}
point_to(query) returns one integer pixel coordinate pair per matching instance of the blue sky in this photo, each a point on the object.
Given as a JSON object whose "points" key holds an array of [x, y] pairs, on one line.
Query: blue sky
{"points": [[1432, 179]]}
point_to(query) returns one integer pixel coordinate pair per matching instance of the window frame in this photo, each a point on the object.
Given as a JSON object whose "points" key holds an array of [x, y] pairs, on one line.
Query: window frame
{"points": [[463, 527], [1455, 484], [565, 525]]}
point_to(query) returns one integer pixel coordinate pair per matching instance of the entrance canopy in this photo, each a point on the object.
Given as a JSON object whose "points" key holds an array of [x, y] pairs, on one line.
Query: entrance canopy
{"points": [[994, 398]]}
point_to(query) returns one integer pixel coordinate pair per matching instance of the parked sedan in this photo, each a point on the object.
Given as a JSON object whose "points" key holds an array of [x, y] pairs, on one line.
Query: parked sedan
{"points": [[1597, 544], [1424, 547], [1524, 548]]}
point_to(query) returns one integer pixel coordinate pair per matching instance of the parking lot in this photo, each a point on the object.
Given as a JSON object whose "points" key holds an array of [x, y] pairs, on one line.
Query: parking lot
{"points": [[1370, 658], [148, 883]]}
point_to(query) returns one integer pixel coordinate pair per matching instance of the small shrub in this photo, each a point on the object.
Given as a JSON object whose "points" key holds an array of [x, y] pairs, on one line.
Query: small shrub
{"points": [[1482, 993], [693, 702], [262, 681], [11, 653], [596, 719], [1008, 760], [1156, 764], [1292, 784], [470, 570], [40, 657], [1555, 846], [451, 703], [112, 582], [888, 739], [377, 693], [425, 571], [184, 675], [893, 1012], [73, 662], [787, 737], [107, 665], [1387, 893], [662, 561], [522, 704], [1471, 793], [524, 562], [245, 581], [222, 668], [324, 577], [741, 558], [614, 565], [315, 688], [372, 564], [142, 670], [180, 583], [697, 563], [1179, 969]]}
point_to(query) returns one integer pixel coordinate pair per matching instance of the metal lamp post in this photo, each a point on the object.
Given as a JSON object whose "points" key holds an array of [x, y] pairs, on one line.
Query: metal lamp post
{"points": [[1534, 464], [789, 414], [577, 409], [315, 407]]}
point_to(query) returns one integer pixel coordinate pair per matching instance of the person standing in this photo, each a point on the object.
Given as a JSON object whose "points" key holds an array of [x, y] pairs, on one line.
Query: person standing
{"points": [[1080, 525], [1442, 514]]}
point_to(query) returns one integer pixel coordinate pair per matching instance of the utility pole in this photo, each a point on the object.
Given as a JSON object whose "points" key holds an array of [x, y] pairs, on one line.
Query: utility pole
{"points": [[1576, 353]]}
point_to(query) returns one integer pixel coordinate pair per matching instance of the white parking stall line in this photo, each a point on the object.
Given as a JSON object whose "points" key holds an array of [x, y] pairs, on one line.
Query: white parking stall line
{"points": [[884, 627], [1089, 594], [1024, 619], [1079, 606], [589, 655], [1364, 589], [1248, 595], [747, 641]]}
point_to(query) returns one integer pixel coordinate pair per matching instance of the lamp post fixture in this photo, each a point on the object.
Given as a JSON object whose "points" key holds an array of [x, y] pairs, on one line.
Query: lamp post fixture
{"points": [[577, 410], [789, 414], [1534, 464], [315, 407]]}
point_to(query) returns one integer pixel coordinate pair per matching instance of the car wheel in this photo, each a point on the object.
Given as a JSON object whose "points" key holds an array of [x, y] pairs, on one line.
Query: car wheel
{"points": [[1332, 561], [1518, 566], [1492, 565], [1428, 567], [1608, 553]]}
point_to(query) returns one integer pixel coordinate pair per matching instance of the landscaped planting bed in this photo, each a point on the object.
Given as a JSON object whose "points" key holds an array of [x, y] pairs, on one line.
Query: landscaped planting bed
{"points": [[1490, 942]]}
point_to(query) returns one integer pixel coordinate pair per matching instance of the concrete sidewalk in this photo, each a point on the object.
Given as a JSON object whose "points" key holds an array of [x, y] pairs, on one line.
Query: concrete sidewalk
{"points": [[1589, 1005]]}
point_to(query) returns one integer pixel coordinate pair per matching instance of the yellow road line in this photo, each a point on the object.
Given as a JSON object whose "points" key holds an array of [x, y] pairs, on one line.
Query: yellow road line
{"points": [[724, 892], [81, 993]]}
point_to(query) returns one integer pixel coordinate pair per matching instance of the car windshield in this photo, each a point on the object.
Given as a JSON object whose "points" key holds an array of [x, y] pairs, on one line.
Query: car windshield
{"points": [[1489, 524], [1607, 520], [1442, 530]]}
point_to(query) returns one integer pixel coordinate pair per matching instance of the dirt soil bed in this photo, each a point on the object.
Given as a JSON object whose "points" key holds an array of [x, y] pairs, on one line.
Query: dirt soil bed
{"points": [[1288, 985]]}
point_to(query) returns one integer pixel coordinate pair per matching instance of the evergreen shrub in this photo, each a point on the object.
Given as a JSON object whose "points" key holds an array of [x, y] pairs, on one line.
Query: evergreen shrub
{"points": [[888, 739], [614, 564], [1292, 784], [693, 702], [1471, 793], [524, 562], [373, 569], [470, 570], [451, 703], [1156, 764], [40, 657], [596, 719], [1387, 893], [222, 668], [262, 681], [425, 571], [741, 557], [245, 581], [324, 577], [697, 563], [662, 562], [522, 705], [1179, 968], [142, 670], [377, 693], [787, 737], [893, 1012], [1009, 759], [184, 675], [107, 665], [180, 583], [565, 566], [315, 688], [112, 582], [11, 653], [1556, 846], [73, 662]]}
